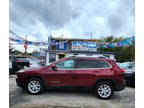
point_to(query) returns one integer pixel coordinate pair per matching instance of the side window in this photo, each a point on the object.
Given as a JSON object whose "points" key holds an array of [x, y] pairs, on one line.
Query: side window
{"points": [[133, 64], [102, 64], [86, 63], [69, 63]]}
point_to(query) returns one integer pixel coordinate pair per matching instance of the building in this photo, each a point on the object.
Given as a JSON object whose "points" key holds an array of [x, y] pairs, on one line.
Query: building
{"points": [[71, 47]]}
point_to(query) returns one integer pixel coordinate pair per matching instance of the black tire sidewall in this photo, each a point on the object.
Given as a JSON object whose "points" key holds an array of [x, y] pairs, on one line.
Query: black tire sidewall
{"points": [[41, 83], [103, 83]]}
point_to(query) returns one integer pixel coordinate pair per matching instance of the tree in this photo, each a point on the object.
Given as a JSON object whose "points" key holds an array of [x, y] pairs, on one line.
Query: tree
{"points": [[123, 53]]}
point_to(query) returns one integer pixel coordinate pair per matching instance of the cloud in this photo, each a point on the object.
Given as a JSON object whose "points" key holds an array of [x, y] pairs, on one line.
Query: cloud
{"points": [[121, 15], [72, 18], [53, 13]]}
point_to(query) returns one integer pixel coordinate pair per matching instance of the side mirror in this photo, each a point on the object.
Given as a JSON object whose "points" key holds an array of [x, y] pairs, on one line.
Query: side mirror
{"points": [[53, 67]]}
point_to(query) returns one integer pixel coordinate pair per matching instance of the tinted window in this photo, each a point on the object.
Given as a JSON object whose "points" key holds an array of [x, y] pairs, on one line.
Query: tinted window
{"points": [[132, 65], [86, 63], [69, 63]]}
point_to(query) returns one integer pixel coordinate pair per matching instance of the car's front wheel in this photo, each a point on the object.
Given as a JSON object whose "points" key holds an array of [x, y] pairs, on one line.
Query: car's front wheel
{"points": [[104, 90], [34, 86]]}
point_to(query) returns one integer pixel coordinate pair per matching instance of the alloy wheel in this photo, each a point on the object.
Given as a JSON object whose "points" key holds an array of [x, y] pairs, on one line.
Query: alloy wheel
{"points": [[34, 86]]}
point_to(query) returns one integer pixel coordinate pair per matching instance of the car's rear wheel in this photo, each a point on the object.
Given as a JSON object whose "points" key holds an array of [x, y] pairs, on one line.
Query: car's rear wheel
{"points": [[34, 86], [104, 90]]}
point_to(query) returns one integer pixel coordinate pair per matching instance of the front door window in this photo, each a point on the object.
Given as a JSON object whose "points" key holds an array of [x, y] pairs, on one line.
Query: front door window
{"points": [[68, 64]]}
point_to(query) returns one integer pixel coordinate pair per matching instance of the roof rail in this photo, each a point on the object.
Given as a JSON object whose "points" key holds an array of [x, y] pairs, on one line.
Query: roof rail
{"points": [[86, 56]]}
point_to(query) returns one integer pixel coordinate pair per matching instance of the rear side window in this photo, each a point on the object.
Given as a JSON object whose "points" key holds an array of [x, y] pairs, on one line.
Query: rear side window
{"points": [[87, 63]]}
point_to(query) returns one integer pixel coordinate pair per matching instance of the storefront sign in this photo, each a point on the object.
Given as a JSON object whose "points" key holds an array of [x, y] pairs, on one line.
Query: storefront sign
{"points": [[84, 46]]}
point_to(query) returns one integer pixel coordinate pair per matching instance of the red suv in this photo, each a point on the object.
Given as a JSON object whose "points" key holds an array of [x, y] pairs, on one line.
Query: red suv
{"points": [[100, 74]]}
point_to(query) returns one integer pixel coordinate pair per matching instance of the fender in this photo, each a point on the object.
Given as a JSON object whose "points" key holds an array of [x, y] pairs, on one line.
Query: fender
{"points": [[108, 79], [34, 76]]}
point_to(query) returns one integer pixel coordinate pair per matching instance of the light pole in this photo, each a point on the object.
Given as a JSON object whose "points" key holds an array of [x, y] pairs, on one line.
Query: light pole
{"points": [[91, 35], [25, 44]]}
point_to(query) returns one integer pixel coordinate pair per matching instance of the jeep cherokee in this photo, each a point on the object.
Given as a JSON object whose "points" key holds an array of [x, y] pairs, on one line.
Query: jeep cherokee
{"points": [[101, 74]]}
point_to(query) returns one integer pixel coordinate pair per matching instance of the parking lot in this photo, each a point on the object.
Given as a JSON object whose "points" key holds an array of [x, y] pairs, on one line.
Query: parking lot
{"points": [[68, 98]]}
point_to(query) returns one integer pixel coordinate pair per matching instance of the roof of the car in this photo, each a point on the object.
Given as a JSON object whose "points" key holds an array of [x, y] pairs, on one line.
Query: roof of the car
{"points": [[88, 57]]}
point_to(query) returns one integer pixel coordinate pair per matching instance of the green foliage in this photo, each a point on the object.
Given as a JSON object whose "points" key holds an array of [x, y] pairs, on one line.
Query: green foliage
{"points": [[123, 53], [109, 39]]}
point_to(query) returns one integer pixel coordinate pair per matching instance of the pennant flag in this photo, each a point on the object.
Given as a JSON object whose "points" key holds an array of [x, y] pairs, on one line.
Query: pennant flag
{"points": [[25, 46], [17, 40], [30, 43]]}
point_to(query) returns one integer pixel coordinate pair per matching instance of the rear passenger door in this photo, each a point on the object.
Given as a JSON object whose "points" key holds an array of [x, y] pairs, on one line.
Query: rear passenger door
{"points": [[87, 70]]}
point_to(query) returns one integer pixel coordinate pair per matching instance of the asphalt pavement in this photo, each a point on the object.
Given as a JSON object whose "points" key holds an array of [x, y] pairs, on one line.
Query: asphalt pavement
{"points": [[18, 98]]}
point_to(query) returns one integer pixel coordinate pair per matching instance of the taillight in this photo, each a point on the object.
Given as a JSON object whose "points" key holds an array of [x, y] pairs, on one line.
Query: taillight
{"points": [[121, 70], [39, 63], [18, 61], [121, 73]]}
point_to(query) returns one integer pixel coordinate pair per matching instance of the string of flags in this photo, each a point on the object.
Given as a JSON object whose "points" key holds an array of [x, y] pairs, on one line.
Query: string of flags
{"points": [[36, 43], [125, 42]]}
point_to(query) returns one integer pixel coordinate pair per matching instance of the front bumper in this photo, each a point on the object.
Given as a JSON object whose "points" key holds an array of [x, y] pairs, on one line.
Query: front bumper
{"points": [[19, 84]]}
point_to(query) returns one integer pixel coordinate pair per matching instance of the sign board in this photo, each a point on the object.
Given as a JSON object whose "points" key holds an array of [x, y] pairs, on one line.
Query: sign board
{"points": [[84, 46], [61, 46]]}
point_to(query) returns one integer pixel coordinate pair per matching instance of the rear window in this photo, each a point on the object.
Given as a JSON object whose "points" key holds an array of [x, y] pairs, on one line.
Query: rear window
{"points": [[87, 63]]}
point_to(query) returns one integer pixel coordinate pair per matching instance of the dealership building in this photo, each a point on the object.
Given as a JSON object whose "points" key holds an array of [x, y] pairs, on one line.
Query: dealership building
{"points": [[74, 47]]}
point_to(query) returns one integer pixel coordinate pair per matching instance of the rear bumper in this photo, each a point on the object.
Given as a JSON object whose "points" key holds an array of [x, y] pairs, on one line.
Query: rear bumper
{"points": [[120, 87]]}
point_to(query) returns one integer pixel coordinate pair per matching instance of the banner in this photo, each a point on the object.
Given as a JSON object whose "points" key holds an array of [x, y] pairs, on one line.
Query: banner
{"points": [[84, 45]]}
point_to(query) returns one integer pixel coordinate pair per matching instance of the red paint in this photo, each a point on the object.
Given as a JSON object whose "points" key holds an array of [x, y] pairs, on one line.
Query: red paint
{"points": [[19, 61]]}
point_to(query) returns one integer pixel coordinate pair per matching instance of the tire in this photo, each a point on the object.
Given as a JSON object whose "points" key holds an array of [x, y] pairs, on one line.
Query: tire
{"points": [[10, 71], [104, 90], [35, 86]]}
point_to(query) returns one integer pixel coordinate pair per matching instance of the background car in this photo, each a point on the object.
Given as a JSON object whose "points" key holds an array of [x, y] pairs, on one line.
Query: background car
{"points": [[34, 62], [10, 67], [18, 62], [129, 68]]}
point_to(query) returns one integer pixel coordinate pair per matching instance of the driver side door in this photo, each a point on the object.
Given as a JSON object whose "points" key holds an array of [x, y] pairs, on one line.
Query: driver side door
{"points": [[62, 74]]}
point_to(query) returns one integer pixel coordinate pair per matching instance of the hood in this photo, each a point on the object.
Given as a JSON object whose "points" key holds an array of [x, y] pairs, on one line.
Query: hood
{"points": [[36, 68]]}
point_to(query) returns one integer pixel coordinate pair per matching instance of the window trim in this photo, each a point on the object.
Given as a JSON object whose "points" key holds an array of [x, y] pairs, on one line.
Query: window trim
{"points": [[74, 68]]}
